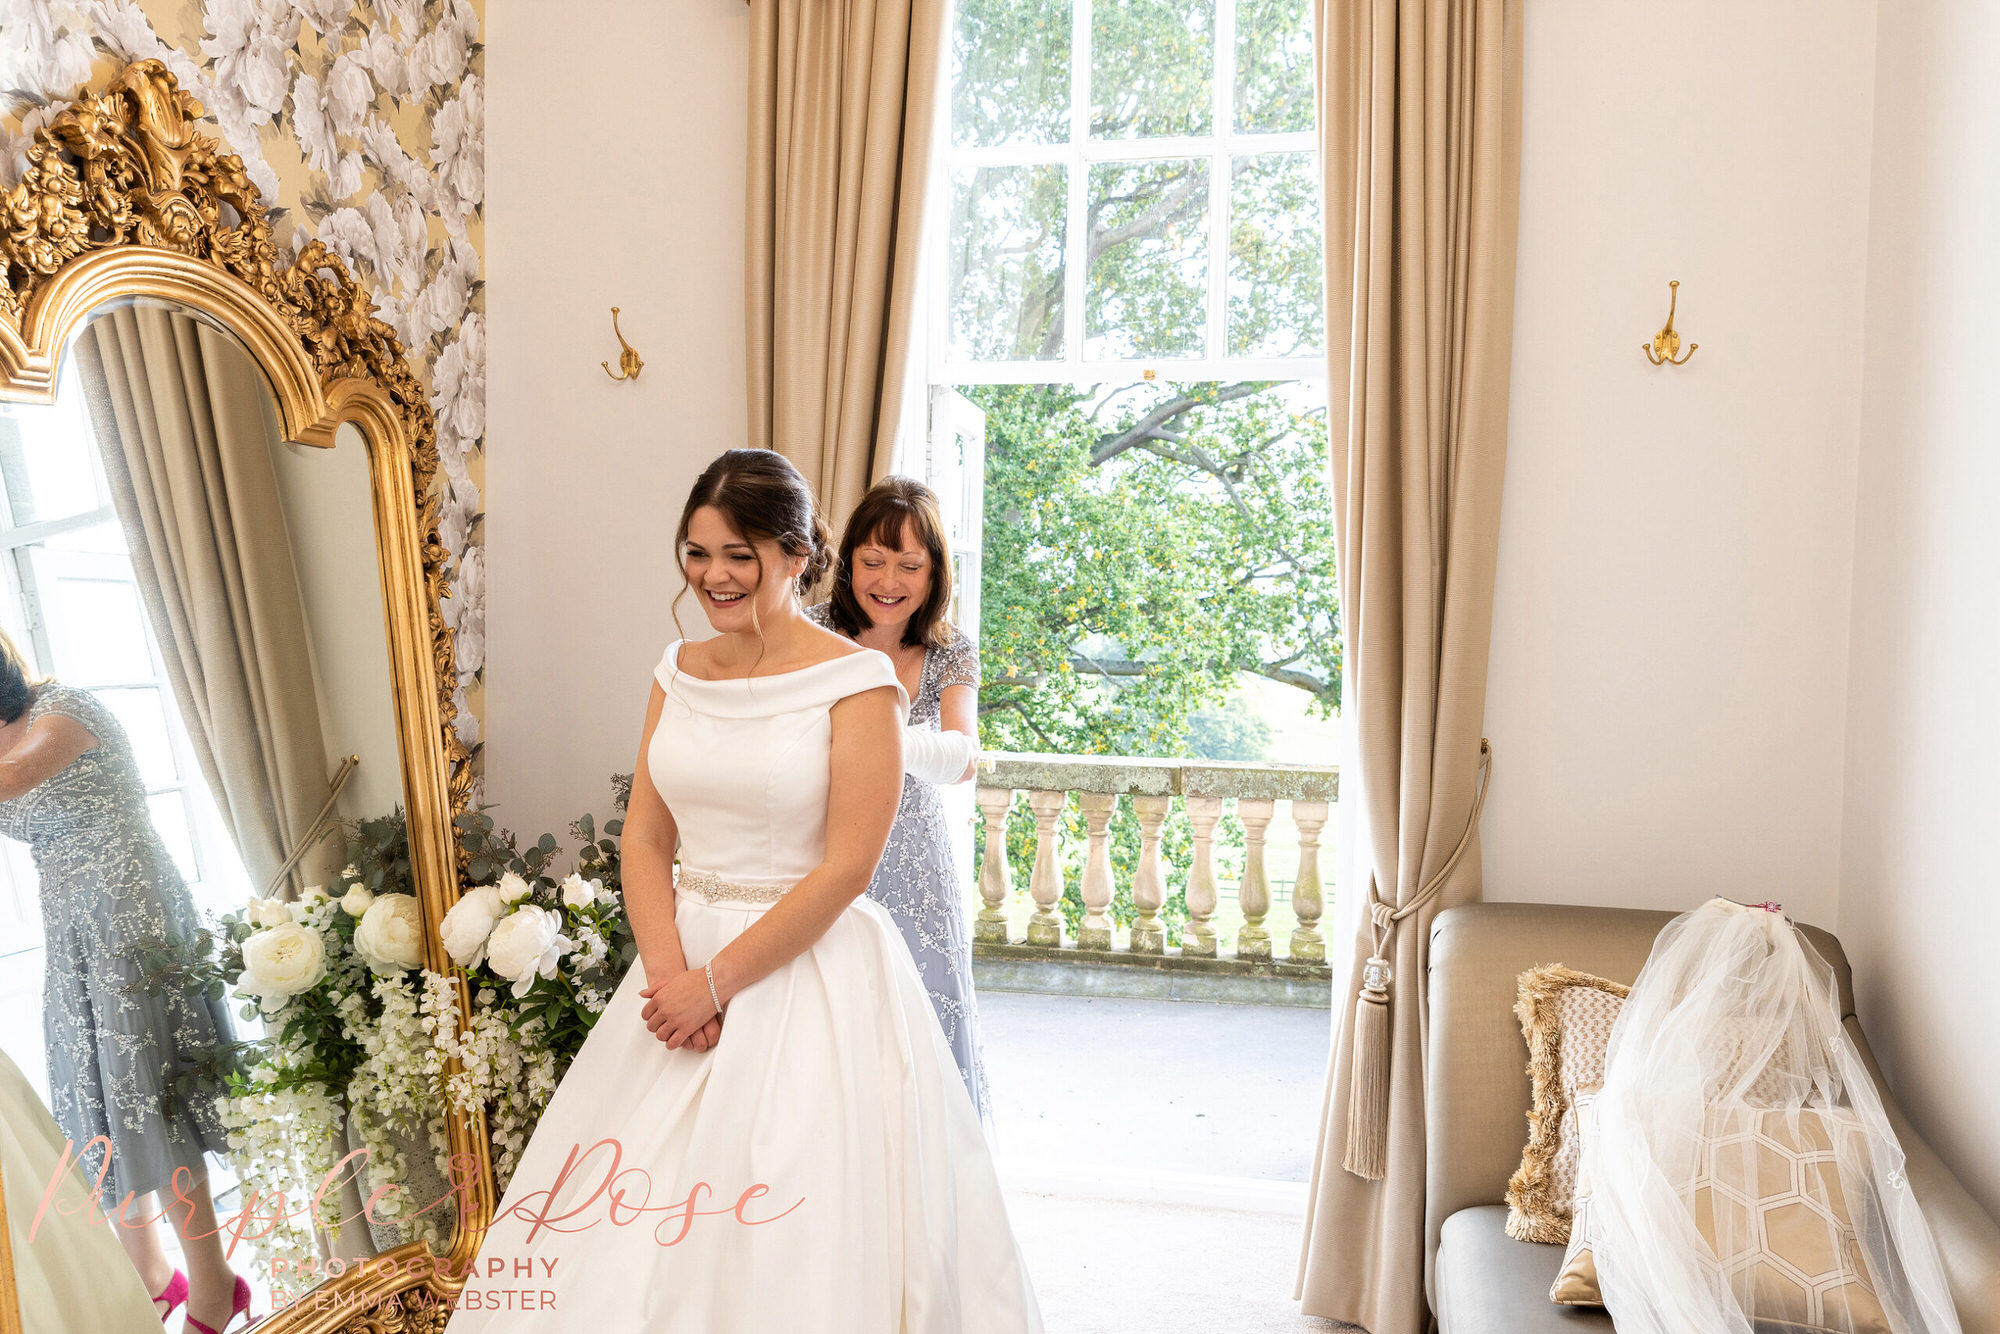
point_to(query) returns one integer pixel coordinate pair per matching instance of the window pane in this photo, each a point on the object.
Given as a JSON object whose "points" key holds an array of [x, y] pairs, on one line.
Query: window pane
{"points": [[45, 463], [1006, 282], [1275, 278], [170, 817], [1010, 72], [1152, 66], [1146, 293], [143, 715], [98, 631], [1274, 72], [104, 539]]}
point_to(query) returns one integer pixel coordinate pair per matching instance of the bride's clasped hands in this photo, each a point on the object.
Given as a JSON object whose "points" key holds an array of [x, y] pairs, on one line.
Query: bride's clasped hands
{"points": [[680, 1011]]}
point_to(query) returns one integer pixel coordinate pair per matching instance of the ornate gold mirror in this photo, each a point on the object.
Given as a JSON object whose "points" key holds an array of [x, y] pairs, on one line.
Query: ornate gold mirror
{"points": [[218, 527]]}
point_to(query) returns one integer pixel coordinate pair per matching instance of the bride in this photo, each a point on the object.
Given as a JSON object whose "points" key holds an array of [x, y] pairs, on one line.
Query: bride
{"points": [[766, 1130]]}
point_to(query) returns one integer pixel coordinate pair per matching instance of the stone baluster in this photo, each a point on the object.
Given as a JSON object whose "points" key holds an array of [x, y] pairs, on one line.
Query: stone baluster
{"points": [[1045, 883], [1094, 933], [1149, 883], [1253, 891], [1308, 896], [1198, 936], [996, 881]]}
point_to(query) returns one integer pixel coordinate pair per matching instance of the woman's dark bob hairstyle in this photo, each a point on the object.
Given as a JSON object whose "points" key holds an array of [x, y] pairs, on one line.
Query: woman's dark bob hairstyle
{"points": [[890, 506]]}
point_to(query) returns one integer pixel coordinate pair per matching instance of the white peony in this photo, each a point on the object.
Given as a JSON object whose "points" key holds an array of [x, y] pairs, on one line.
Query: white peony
{"points": [[390, 935], [527, 942], [513, 888], [469, 923], [356, 900], [578, 892], [269, 912], [282, 962]]}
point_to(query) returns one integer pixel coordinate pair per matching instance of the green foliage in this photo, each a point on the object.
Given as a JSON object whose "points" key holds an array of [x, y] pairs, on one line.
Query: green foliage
{"points": [[1126, 586]]}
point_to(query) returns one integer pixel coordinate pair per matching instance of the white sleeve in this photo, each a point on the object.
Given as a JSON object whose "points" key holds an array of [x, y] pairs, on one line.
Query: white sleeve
{"points": [[937, 757]]}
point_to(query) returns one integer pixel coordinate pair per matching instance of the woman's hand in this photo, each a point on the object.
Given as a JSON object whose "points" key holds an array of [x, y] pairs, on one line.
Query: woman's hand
{"points": [[680, 1010]]}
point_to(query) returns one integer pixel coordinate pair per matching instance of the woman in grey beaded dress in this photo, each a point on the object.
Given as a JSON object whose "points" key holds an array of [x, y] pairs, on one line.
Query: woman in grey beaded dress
{"points": [[891, 585], [70, 789]]}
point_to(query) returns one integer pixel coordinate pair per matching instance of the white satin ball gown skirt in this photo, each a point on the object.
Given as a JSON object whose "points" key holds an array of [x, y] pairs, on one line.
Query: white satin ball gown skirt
{"points": [[70, 1273], [833, 1088]]}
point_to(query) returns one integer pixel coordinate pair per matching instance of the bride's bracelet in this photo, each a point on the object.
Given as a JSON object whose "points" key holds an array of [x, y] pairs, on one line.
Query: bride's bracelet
{"points": [[707, 971]]}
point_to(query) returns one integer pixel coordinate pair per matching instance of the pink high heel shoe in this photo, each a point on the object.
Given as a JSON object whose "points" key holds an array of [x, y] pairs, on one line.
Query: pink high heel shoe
{"points": [[175, 1294], [241, 1306]]}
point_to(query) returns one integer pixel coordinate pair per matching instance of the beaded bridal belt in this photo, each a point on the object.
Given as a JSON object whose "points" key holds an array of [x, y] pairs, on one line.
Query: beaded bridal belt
{"points": [[712, 888]]}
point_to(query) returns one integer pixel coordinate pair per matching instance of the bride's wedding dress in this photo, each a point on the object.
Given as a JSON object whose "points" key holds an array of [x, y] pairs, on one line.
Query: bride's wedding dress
{"points": [[832, 1088]]}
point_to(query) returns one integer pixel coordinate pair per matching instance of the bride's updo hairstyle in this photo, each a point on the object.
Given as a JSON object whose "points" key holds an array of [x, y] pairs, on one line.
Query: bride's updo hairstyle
{"points": [[765, 499]]}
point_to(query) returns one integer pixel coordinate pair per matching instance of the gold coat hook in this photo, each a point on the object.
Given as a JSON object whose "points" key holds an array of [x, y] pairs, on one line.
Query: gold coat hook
{"points": [[629, 364], [1666, 342]]}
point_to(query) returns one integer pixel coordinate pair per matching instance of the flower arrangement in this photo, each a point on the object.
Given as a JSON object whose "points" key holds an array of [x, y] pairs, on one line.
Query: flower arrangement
{"points": [[336, 978], [543, 957], [356, 1028]]}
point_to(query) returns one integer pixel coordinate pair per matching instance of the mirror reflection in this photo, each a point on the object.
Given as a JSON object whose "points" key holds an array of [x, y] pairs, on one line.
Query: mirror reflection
{"points": [[195, 715]]}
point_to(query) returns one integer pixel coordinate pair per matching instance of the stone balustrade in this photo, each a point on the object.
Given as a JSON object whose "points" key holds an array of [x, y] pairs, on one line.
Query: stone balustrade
{"points": [[1203, 787]]}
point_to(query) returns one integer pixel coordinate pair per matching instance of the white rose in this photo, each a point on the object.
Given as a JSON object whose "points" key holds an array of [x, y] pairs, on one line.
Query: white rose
{"points": [[389, 937], [468, 923], [578, 892], [311, 892], [356, 900], [528, 941], [270, 912], [282, 962], [513, 888]]}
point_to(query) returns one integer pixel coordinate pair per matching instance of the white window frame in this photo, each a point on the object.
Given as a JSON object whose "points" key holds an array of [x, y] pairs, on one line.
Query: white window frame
{"points": [[1078, 155]]}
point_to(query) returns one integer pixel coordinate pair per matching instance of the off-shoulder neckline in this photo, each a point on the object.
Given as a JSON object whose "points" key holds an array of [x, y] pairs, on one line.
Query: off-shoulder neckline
{"points": [[674, 658]]}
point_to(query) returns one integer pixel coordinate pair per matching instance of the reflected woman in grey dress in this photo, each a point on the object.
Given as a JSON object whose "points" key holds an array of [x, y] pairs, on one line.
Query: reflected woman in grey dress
{"points": [[70, 789], [892, 583]]}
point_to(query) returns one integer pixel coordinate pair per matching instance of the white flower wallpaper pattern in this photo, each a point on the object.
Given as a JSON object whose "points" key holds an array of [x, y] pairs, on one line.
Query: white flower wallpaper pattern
{"points": [[361, 123]]}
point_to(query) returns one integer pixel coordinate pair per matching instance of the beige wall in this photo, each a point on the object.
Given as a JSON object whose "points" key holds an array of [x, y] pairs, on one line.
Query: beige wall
{"points": [[1668, 688], [1919, 912], [615, 176], [330, 515]]}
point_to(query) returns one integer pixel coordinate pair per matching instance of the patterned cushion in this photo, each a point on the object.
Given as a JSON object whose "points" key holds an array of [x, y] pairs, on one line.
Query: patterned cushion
{"points": [[1566, 1017], [1789, 1240]]}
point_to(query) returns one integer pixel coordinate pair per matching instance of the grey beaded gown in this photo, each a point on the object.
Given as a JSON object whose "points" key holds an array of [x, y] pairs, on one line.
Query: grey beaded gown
{"points": [[920, 881], [107, 883]]}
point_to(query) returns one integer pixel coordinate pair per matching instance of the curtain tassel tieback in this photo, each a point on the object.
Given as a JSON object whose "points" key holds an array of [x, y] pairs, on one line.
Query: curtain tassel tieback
{"points": [[1367, 1153]]}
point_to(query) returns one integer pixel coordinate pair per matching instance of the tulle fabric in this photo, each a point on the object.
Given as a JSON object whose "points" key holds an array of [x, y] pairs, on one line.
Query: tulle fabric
{"points": [[1735, 1021]]}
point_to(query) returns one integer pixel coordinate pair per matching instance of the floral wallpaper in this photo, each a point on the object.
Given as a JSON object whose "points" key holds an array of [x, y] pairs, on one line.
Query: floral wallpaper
{"points": [[362, 123]]}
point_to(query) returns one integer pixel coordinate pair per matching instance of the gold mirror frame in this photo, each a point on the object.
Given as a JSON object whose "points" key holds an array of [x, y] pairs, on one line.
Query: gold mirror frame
{"points": [[124, 197]]}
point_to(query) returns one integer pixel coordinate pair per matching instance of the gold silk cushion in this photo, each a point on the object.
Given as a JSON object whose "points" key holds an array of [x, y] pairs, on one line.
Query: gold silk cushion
{"points": [[1566, 1017], [1791, 1237]]}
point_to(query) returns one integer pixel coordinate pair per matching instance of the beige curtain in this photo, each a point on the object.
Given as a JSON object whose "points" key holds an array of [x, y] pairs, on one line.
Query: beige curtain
{"points": [[185, 424], [843, 109], [1420, 136]]}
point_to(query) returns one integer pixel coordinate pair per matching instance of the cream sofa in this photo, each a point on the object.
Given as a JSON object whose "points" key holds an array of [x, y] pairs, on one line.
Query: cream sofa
{"points": [[1480, 1280]]}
